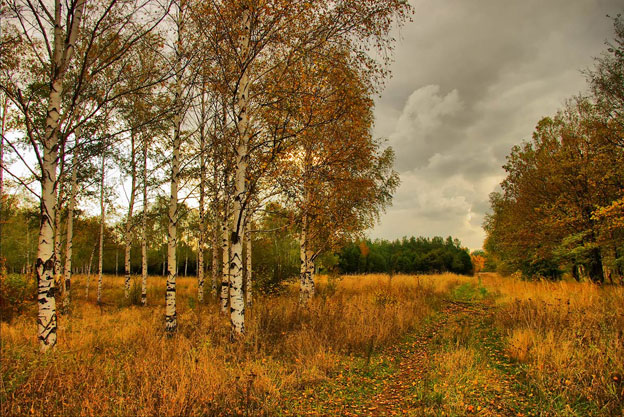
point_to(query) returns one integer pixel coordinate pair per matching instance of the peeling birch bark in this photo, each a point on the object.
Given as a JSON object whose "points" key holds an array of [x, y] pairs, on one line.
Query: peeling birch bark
{"points": [[237, 301]]}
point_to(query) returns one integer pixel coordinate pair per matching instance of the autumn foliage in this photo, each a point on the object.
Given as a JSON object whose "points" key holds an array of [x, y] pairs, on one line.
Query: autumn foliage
{"points": [[560, 208]]}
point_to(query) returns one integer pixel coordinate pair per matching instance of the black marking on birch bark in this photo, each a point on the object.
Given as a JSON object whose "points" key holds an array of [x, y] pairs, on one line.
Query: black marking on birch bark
{"points": [[45, 338], [48, 328], [49, 264]]}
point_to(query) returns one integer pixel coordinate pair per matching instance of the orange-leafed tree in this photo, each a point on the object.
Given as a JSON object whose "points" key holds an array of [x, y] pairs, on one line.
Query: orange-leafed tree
{"points": [[338, 177]]}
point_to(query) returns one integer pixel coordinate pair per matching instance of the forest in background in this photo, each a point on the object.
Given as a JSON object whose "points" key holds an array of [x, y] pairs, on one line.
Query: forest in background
{"points": [[406, 256], [275, 253], [561, 207]]}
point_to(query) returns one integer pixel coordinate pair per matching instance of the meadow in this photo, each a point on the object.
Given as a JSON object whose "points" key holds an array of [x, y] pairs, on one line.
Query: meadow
{"points": [[438, 345]]}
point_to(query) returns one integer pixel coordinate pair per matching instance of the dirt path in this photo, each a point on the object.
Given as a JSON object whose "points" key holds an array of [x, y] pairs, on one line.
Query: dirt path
{"points": [[414, 365], [454, 365]]}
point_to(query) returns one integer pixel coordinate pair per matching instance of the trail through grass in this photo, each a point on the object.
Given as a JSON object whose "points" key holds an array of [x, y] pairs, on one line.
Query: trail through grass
{"points": [[455, 364]]}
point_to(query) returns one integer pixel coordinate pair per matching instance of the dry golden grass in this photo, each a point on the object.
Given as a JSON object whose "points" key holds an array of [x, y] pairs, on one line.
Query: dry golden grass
{"points": [[115, 359], [570, 335]]}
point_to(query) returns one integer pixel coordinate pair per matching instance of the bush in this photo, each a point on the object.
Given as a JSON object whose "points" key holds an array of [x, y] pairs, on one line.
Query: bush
{"points": [[16, 291]]}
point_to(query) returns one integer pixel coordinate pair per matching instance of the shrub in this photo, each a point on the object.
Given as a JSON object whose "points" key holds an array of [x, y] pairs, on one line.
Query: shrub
{"points": [[16, 290]]}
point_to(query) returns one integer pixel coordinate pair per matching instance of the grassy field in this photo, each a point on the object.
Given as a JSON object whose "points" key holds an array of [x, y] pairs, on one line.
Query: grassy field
{"points": [[368, 345]]}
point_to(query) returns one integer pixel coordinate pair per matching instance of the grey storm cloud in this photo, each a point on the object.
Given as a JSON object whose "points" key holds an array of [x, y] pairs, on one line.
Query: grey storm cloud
{"points": [[470, 80]]}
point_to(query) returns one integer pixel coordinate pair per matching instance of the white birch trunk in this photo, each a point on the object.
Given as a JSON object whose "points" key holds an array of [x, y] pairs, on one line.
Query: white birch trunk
{"points": [[57, 234], [62, 54], [237, 301], [249, 278], [171, 321], [306, 287], [172, 236], [69, 241], [102, 220], [216, 225], [45, 251], [144, 231], [215, 255], [129, 225], [5, 103], [225, 247], [202, 212]]}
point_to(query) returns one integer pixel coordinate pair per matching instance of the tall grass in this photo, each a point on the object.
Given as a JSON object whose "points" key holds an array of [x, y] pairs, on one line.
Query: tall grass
{"points": [[114, 359], [570, 336]]}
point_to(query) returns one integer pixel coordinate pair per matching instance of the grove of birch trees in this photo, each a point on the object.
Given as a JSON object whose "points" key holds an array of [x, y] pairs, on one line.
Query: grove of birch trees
{"points": [[214, 111]]}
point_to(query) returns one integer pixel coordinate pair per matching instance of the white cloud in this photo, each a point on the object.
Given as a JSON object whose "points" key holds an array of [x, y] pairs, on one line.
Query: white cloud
{"points": [[422, 119], [424, 111]]}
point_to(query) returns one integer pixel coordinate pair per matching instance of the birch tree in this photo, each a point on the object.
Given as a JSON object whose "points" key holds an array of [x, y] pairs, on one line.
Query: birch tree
{"points": [[102, 223], [144, 229], [340, 179], [52, 33], [181, 99], [255, 45], [3, 129], [58, 28], [202, 205], [69, 240], [224, 296], [248, 266], [129, 217]]}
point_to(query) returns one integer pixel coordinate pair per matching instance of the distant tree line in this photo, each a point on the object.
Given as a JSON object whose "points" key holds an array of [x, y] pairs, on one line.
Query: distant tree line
{"points": [[561, 208], [408, 256]]}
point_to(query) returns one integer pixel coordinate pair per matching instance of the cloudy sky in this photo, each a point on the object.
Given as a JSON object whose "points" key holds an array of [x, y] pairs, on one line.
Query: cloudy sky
{"points": [[471, 78]]}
